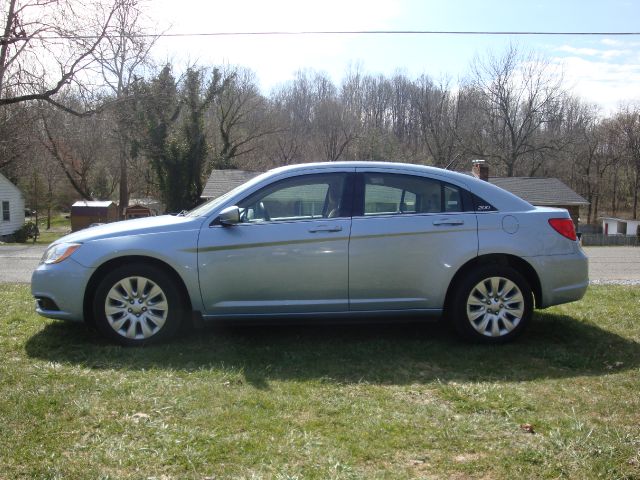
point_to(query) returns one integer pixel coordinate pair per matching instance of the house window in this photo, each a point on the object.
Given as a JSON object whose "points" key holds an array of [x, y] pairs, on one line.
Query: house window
{"points": [[6, 215]]}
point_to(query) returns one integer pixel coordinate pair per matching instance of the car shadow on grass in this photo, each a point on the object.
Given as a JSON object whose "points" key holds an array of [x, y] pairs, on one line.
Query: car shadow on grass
{"points": [[555, 346]]}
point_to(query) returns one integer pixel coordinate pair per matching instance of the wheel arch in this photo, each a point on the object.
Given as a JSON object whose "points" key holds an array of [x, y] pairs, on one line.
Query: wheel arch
{"points": [[521, 266], [109, 265]]}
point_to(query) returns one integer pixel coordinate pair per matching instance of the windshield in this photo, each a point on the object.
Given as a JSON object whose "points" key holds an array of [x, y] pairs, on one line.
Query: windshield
{"points": [[209, 205]]}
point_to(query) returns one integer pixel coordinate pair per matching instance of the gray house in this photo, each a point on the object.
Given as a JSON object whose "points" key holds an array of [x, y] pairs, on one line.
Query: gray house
{"points": [[223, 181], [11, 207], [543, 192], [538, 191]]}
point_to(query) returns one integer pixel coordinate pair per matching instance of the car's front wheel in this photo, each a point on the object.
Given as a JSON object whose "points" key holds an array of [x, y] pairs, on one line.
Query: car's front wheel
{"points": [[137, 304], [492, 304]]}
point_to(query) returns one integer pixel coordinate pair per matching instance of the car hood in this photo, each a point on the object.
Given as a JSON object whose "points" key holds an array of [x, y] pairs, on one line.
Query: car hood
{"points": [[138, 226]]}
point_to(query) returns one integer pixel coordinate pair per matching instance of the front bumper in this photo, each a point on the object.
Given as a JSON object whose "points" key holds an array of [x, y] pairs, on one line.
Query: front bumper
{"points": [[59, 289]]}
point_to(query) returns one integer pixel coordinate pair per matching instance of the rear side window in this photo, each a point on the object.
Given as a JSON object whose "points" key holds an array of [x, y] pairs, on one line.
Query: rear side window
{"points": [[386, 193], [452, 198]]}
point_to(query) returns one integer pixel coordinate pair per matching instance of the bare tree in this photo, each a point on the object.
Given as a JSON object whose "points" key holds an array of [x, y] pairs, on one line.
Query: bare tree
{"points": [[238, 115], [120, 58], [628, 124], [436, 109], [334, 129], [291, 107], [40, 37], [586, 151], [16, 126], [77, 145], [331, 124], [46, 172], [517, 91]]}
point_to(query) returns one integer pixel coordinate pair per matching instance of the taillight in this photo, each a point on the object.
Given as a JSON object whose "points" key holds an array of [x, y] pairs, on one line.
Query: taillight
{"points": [[564, 226]]}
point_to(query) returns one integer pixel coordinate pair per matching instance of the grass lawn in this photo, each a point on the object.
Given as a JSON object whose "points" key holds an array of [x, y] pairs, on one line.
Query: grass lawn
{"points": [[46, 237], [325, 402], [60, 226]]}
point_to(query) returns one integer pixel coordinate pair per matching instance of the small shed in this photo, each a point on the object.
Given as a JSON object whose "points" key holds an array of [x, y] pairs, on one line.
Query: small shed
{"points": [[223, 181], [11, 207], [86, 212], [620, 226]]}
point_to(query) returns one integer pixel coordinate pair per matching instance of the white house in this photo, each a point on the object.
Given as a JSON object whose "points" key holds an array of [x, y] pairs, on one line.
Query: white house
{"points": [[620, 226], [11, 207]]}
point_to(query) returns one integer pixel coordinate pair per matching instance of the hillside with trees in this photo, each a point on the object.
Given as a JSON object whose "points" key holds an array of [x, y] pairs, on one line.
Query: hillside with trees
{"points": [[85, 114]]}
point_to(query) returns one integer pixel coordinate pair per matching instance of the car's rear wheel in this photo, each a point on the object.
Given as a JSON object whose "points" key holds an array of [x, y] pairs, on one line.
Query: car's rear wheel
{"points": [[138, 304], [492, 304]]}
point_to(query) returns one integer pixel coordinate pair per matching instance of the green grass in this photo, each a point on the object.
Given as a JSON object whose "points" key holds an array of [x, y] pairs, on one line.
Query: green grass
{"points": [[60, 226], [45, 237], [364, 401]]}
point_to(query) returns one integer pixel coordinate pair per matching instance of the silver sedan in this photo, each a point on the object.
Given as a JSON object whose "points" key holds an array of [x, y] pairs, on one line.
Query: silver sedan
{"points": [[328, 240]]}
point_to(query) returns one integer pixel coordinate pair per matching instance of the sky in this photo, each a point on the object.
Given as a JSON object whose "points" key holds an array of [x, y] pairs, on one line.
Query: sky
{"points": [[601, 69]]}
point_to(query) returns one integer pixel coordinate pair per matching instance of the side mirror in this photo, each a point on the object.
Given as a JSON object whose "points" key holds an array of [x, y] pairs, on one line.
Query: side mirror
{"points": [[229, 216]]}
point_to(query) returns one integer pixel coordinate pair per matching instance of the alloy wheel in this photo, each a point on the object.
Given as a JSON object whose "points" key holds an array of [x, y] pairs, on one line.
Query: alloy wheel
{"points": [[495, 306], [136, 308]]}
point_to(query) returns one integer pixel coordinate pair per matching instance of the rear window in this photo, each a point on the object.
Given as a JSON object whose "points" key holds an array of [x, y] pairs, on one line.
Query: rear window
{"points": [[386, 193]]}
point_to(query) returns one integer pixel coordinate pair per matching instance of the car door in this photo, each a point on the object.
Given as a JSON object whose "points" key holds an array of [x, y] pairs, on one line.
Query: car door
{"points": [[289, 254], [409, 236]]}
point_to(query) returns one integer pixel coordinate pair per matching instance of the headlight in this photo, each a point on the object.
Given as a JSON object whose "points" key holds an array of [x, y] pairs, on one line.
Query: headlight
{"points": [[57, 253]]}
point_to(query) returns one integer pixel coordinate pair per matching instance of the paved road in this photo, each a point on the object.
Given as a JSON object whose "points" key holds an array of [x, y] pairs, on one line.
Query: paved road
{"points": [[606, 264], [18, 261], [614, 265]]}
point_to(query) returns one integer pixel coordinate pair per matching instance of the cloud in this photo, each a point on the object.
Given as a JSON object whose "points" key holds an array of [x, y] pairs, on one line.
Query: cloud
{"points": [[578, 51], [602, 82], [595, 52], [614, 42], [606, 72]]}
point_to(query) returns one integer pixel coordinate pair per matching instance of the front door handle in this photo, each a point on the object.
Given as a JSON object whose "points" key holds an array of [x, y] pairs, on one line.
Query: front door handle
{"points": [[448, 221], [326, 228]]}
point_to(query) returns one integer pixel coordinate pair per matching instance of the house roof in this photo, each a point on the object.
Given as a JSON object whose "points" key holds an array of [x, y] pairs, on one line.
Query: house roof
{"points": [[93, 203], [223, 181], [623, 220], [11, 185], [535, 190], [540, 191]]}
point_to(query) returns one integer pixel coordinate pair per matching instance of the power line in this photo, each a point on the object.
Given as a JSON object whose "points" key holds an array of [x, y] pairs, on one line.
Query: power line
{"points": [[346, 32]]}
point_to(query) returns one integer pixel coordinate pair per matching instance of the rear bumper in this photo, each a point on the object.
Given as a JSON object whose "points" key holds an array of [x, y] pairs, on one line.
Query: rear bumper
{"points": [[563, 278]]}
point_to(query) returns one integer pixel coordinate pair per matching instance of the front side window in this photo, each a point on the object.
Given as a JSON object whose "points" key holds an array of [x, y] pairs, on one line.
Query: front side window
{"points": [[386, 193], [300, 198], [6, 212]]}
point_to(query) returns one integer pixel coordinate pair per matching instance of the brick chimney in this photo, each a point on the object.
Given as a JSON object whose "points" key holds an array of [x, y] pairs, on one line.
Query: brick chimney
{"points": [[480, 169]]}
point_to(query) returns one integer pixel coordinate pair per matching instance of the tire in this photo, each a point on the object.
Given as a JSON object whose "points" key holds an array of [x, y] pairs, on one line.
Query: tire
{"points": [[492, 304], [137, 305]]}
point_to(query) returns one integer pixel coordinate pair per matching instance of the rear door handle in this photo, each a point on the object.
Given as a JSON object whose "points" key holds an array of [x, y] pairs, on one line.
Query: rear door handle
{"points": [[326, 228], [447, 221]]}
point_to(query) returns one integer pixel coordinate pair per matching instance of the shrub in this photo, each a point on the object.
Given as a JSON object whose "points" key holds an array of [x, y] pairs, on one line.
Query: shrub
{"points": [[25, 232]]}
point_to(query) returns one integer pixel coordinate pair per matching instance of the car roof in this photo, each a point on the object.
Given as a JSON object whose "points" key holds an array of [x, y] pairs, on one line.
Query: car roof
{"points": [[498, 197]]}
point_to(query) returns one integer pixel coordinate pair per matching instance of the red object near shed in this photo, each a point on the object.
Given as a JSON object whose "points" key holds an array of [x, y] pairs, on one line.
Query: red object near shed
{"points": [[137, 211]]}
